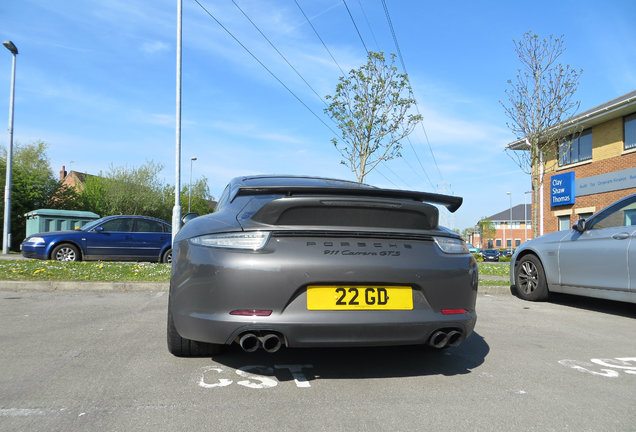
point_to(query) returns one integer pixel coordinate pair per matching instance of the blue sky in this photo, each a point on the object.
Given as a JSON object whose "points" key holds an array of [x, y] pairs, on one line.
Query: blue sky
{"points": [[96, 81]]}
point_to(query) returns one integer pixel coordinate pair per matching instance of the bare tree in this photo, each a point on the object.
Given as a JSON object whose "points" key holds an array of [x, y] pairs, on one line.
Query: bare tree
{"points": [[539, 99], [371, 108]]}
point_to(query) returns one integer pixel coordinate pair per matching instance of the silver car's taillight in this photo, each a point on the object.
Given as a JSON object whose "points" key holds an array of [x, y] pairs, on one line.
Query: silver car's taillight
{"points": [[253, 240]]}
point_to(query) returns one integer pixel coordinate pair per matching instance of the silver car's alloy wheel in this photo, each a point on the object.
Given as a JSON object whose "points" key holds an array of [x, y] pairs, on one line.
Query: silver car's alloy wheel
{"points": [[528, 279]]}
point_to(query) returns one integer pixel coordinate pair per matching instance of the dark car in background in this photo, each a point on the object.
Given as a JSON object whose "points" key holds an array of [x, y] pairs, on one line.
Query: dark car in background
{"points": [[596, 258], [490, 254], [507, 253], [314, 262], [112, 238]]}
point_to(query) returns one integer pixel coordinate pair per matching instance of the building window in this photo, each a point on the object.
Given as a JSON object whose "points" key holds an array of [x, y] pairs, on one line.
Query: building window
{"points": [[508, 243], [630, 132], [517, 242], [564, 223], [490, 244], [576, 150], [584, 215], [498, 243]]}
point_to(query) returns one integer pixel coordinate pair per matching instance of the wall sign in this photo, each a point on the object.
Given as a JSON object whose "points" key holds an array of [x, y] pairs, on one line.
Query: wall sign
{"points": [[617, 180], [562, 189]]}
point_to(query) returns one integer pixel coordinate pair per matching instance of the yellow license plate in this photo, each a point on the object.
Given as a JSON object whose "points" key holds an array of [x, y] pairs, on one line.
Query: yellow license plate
{"points": [[359, 297]]}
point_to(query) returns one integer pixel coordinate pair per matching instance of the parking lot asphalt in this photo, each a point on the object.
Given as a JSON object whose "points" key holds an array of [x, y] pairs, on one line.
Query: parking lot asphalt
{"points": [[96, 361]]}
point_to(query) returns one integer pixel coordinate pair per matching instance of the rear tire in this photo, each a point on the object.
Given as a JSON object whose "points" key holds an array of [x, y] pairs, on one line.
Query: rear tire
{"points": [[530, 279], [65, 252], [182, 347], [167, 256]]}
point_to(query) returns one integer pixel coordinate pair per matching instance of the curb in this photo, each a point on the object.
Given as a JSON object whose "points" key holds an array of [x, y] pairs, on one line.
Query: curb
{"points": [[82, 286], [494, 290]]}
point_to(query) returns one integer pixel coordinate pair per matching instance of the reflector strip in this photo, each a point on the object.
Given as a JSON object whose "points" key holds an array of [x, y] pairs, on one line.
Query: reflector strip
{"points": [[453, 311], [251, 312]]}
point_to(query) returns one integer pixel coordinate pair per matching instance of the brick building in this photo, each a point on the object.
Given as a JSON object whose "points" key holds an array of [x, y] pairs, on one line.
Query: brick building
{"points": [[511, 228], [594, 166], [73, 179]]}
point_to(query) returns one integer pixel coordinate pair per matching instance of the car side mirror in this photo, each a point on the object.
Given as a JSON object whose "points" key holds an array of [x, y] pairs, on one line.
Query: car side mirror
{"points": [[579, 225], [188, 217], [99, 229]]}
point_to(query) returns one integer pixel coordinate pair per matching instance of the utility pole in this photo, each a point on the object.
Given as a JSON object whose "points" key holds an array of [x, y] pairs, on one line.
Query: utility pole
{"points": [[6, 227], [176, 210]]}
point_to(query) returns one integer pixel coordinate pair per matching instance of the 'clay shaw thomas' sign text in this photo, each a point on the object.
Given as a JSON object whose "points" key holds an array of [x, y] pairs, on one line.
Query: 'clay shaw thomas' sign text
{"points": [[562, 189]]}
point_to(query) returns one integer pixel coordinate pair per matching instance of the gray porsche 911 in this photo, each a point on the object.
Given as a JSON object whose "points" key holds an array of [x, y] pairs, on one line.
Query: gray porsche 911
{"points": [[313, 262]]}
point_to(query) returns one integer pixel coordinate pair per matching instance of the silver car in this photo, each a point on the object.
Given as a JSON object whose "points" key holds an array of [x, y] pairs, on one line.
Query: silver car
{"points": [[313, 262], [596, 258]]}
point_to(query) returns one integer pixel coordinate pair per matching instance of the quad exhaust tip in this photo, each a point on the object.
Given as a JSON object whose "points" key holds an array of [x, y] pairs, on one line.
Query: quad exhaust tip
{"points": [[249, 342], [270, 342], [445, 338]]}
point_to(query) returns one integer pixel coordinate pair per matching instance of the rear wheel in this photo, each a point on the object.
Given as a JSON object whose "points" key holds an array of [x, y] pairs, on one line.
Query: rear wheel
{"points": [[530, 279], [167, 256], [65, 252], [182, 347]]}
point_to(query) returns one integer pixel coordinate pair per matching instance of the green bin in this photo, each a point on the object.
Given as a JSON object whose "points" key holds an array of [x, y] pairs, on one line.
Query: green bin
{"points": [[47, 220]]}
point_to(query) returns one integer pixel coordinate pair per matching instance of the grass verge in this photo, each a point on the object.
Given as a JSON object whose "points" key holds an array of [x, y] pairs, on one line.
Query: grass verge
{"points": [[494, 269], [94, 271], [98, 271]]}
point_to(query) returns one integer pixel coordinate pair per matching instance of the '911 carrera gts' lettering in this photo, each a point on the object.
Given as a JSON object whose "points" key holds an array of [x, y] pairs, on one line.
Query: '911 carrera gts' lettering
{"points": [[347, 252], [371, 296]]}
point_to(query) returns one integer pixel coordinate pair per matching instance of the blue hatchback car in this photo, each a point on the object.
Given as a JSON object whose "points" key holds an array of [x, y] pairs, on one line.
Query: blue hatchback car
{"points": [[113, 238]]}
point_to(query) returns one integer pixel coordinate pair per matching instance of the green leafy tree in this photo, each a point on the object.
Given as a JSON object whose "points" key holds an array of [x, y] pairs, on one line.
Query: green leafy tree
{"points": [[65, 198], [32, 185], [486, 229], [371, 108], [540, 98], [199, 198], [138, 191]]}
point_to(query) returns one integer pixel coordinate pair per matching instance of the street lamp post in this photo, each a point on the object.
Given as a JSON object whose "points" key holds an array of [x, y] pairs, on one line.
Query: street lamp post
{"points": [[6, 228], [176, 210], [510, 195], [192, 159]]}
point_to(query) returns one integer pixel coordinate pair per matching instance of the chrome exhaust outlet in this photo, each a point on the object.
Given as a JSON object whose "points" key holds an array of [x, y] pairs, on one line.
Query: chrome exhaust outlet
{"points": [[454, 338], [439, 339], [249, 342], [271, 342]]}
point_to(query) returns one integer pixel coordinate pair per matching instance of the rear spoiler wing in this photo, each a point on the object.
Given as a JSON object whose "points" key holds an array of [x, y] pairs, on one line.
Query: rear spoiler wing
{"points": [[452, 203]]}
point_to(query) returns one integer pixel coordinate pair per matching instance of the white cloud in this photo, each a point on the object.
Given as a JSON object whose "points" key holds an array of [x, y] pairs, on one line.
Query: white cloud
{"points": [[154, 47]]}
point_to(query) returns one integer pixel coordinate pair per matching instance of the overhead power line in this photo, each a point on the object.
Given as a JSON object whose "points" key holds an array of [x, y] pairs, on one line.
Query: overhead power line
{"points": [[279, 53], [356, 27], [263, 65], [318, 36], [417, 109], [366, 19], [419, 161]]}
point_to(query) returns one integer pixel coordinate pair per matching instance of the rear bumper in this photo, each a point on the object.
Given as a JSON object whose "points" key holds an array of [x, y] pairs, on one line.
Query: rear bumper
{"points": [[207, 284], [329, 328]]}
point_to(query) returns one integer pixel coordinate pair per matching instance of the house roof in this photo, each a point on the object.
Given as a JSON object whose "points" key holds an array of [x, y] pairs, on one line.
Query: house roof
{"points": [[619, 107], [79, 175], [518, 214]]}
